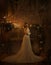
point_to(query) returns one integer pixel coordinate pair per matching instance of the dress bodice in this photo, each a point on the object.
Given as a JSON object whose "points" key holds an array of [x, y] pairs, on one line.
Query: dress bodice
{"points": [[27, 31]]}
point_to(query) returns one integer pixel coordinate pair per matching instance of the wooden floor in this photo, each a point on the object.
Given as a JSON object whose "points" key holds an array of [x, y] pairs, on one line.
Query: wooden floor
{"points": [[40, 63]]}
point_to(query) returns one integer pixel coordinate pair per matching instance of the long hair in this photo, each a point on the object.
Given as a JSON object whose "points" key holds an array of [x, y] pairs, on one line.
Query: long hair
{"points": [[25, 25]]}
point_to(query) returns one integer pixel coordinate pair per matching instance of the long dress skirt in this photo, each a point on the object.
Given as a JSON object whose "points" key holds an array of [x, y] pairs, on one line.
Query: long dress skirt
{"points": [[25, 54]]}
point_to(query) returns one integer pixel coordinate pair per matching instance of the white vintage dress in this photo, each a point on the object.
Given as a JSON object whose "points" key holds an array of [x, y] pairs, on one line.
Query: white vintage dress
{"points": [[25, 54]]}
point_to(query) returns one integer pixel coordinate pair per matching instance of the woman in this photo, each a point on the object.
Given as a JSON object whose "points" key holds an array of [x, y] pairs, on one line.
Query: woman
{"points": [[25, 55]]}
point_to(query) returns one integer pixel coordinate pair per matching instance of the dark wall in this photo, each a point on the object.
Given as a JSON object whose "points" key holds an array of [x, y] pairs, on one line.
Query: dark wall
{"points": [[3, 7]]}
